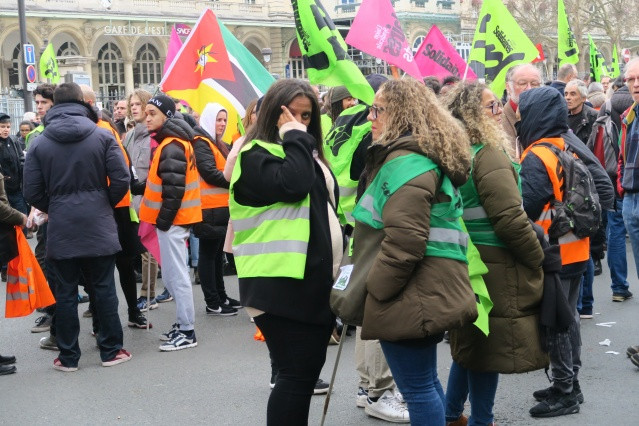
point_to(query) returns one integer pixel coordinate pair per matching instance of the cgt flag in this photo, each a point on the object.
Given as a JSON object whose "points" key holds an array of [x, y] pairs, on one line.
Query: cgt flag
{"points": [[598, 66], [437, 57], [49, 65], [499, 44], [567, 48], [214, 66], [377, 31], [324, 51], [614, 66]]}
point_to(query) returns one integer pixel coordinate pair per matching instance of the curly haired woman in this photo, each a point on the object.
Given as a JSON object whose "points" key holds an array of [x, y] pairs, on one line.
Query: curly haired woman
{"points": [[409, 240], [508, 245]]}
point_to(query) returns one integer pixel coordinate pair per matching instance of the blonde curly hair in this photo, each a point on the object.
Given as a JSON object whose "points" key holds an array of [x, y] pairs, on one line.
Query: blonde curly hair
{"points": [[413, 108], [464, 103]]}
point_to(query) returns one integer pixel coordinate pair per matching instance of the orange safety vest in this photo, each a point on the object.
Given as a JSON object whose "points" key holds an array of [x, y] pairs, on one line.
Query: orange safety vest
{"points": [[572, 248], [190, 210], [126, 200], [213, 196]]}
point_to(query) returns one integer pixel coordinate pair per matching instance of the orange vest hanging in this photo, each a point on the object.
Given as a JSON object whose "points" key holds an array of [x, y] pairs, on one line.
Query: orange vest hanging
{"points": [[572, 248], [126, 200], [213, 196], [190, 210]]}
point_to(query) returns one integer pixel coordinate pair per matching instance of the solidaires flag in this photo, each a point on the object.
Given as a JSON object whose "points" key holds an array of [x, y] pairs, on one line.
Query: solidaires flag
{"points": [[324, 51], [499, 44], [213, 66], [49, 65], [567, 49]]}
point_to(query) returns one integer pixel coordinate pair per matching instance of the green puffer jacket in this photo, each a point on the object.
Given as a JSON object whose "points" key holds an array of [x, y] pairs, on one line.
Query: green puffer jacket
{"points": [[410, 296], [514, 279]]}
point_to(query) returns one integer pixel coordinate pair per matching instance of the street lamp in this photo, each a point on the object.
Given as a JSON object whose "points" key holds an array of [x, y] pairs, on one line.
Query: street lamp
{"points": [[266, 53]]}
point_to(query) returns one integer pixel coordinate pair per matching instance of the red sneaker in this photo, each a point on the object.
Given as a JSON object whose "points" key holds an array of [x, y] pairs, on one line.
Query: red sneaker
{"points": [[119, 358], [57, 365]]}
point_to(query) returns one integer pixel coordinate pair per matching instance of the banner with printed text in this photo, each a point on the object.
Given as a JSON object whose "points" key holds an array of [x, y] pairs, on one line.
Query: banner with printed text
{"points": [[567, 48], [499, 44], [437, 57], [613, 71], [377, 31], [598, 67], [324, 51]]}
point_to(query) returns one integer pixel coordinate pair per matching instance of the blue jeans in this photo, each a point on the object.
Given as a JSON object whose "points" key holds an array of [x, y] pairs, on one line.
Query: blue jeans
{"points": [[481, 387], [194, 244], [414, 367], [16, 200], [586, 298], [616, 235]]}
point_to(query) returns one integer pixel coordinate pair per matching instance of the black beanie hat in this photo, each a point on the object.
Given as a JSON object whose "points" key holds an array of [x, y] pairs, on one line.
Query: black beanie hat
{"points": [[164, 104]]}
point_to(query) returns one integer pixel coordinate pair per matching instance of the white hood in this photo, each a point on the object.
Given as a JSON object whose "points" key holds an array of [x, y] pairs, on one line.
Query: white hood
{"points": [[209, 116]]}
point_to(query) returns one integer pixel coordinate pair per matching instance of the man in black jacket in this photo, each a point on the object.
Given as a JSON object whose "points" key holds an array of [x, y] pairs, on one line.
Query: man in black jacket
{"points": [[543, 116], [66, 174], [581, 117], [11, 163]]}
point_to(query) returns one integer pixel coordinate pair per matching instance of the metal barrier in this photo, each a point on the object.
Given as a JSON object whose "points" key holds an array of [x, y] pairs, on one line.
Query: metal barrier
{"points": [[15, 108]]}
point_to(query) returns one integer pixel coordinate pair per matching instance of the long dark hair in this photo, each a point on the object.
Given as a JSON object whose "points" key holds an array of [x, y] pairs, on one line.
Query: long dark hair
{"points": [[282, 92]]}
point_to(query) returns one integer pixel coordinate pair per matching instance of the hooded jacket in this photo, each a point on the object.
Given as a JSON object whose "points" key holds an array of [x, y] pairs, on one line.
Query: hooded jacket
{"points": [[11, 163], [172, 169], [410, 295], [544, 114], [209, 117], [65, 175]]}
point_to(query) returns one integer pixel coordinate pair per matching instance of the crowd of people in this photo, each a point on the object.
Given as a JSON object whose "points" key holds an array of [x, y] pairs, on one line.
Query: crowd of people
{"points": [[436, 193]]}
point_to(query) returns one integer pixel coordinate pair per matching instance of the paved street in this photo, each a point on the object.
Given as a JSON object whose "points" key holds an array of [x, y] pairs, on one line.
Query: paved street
{"points": [[224, 381]]}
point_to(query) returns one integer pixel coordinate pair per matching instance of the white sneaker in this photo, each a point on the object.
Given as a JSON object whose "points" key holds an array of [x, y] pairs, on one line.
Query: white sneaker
{"points": [[362, 397], [388, 407]]}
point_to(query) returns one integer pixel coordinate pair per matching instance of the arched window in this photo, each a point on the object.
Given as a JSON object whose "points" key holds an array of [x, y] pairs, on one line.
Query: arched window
{"points": [[68, 48], [147, 68], [418, 42], [15, 72], [295, 67], [110, 73]]}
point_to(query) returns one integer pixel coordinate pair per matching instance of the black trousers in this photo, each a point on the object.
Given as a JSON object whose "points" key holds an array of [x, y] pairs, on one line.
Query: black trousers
{"points": [[211, 269], [99, 272], [298, 350]]}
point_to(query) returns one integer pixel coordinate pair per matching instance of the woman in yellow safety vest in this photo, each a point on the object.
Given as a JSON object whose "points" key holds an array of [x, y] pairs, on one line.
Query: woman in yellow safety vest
{"points": [[288, 242]]}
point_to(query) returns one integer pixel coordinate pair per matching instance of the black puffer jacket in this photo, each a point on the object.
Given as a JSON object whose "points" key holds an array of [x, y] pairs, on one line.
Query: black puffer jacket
{"points": [[172, 169], [581, 124], [214, 221], [544, 115], [65, 175]]}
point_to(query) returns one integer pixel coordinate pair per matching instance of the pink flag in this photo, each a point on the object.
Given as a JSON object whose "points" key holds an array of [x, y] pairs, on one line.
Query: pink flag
{"points": [[174, 47], [437, 57], [149, 239], [377, 31]]}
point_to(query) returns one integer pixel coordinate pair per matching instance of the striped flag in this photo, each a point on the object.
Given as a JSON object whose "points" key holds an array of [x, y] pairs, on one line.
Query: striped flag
{"points": [[214, 66]]}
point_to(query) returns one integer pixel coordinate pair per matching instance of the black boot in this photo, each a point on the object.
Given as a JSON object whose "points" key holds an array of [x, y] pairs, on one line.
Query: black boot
{"points": [[6, 360]]}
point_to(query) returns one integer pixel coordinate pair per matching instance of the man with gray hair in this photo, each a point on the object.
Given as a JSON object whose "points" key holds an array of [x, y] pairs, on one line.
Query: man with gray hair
{"points": [[565, 73], [580, 116], [518, 80]]}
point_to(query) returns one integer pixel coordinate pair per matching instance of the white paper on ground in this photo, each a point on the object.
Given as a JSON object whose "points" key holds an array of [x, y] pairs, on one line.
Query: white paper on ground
{"points": [[612, 352], [605, 342], [606, 324]]}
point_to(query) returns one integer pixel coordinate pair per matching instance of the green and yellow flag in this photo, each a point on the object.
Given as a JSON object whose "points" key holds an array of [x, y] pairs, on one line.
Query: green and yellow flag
{"points": [[567, 49], [49, 65], [613, 71], [324, 51], [598, 66], [499, 44]]}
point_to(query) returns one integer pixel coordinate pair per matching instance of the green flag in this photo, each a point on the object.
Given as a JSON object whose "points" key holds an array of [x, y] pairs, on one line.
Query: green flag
{"points": [[567, 49], [598, 67], [49, 65], [324, 51], [614, 67], [499, 44]]}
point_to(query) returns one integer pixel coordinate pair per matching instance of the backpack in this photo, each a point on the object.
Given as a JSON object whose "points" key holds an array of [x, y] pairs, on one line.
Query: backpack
{"points": [[604, 140], [579, 211]]}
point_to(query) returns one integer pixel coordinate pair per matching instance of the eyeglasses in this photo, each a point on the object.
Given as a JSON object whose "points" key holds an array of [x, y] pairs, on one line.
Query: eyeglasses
{"points": [[523, 84], [495, 107], [630, 81], [375, 110]]}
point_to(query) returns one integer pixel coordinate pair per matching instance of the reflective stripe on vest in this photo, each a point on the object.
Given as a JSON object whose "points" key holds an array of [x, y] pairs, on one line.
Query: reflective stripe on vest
{"points": [[270, 241], [211, 195], [571, 248], [347, 133], [103, 124], [190, 211], [480, 229], [23, 291], [446, 237]]}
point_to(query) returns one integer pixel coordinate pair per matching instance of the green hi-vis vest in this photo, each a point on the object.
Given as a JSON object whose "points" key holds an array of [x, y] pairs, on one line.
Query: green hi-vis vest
{"points": [[270, 241], [32, 134], [446, 237], [480, 229], [476, 269], [348, 131]]}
